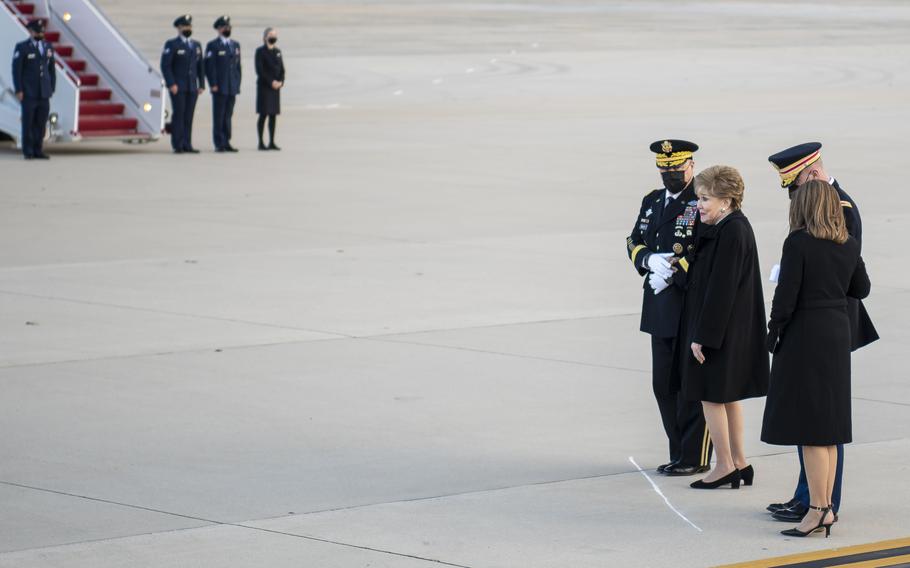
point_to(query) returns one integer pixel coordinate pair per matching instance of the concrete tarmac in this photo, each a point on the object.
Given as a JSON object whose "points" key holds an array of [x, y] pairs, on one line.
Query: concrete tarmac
{"points": [[410, 338]]}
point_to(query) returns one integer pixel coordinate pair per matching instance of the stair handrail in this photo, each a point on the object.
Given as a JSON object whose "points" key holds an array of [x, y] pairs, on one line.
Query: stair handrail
{"points": [[67, 12], [120, 37], [87, 53], [60, 63]]}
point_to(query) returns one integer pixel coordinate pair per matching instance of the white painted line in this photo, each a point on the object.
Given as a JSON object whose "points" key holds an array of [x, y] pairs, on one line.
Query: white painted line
{"points": [[659, 492]]}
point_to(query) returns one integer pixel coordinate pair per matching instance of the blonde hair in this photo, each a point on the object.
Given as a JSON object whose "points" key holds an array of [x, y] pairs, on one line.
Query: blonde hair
{"points": [[722, 182], [816, 208]]}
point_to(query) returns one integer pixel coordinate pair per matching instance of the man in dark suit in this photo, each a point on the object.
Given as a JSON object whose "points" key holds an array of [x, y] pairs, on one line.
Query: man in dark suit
{"points": [[660, 247], [34, 80], [184, 75], [796, 166], [222, 69]]}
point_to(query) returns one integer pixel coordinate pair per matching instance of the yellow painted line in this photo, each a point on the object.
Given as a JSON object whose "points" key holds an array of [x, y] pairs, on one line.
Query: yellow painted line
{"points": [[883, 562], [827, 554]]}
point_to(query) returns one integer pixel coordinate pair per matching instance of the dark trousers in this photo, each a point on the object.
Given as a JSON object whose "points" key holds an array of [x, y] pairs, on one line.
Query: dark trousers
{"points": [[684, 420], [184, 106], [34, 122], [223, 110], [802, 486]]}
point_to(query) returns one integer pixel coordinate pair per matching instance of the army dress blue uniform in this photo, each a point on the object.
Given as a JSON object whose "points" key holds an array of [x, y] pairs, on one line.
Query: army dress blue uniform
{"points": [[669, 226], [182, 66], [790, 163], [222, 69], [35, 77]]}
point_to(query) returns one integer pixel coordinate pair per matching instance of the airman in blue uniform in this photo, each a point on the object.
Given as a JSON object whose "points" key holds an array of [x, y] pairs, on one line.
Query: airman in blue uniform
{"points": [[184, 75], [222, 68], [34, 79]]}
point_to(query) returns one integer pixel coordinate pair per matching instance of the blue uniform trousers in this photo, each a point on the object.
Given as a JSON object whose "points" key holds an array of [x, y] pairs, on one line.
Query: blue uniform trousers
{"points": [[802, 486], [34, 122], [223, 110], [184, 106]]}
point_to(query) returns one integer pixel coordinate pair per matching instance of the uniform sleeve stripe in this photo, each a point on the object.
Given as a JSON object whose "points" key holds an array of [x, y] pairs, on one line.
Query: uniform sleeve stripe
{"points": [[635, 252]]}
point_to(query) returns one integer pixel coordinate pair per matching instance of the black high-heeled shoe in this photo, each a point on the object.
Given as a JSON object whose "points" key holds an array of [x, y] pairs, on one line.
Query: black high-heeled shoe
{"points": [[733, 478], [748, 475], [821, 525]]}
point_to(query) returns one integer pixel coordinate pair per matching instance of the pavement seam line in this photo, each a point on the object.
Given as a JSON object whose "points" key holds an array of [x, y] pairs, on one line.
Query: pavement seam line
{"points": [[516, 355], [209, 522]]}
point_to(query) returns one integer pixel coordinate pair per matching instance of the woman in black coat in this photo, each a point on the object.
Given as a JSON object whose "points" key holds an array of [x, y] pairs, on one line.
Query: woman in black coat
{"points": [[809, 334], [269, 81], [722, 338]]}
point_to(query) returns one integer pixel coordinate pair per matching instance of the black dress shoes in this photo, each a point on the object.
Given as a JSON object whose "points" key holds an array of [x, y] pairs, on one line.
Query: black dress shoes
{"points": [[733, 478], [775, 507], [230, 148], [792, 514], [42, 157], [663, 467], [191, 150], [679, 469], [272, 146]]}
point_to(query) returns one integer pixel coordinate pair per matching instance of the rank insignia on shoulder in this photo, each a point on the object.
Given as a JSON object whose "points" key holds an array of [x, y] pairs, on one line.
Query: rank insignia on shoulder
{"points": [[846, 204]]}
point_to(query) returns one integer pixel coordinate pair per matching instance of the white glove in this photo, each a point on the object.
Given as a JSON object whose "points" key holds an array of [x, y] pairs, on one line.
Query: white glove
{"points": [[658, 283], [658, 264]]}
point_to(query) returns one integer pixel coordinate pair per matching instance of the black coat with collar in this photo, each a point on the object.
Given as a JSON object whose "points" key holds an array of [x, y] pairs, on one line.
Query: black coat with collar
{"points": [[725, 313], [657, 230], [862, 330]]}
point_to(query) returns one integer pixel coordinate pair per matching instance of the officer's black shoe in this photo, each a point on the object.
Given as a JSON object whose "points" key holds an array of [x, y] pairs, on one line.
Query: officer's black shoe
{"points": [[191, 150], [775, 507], [263, 146], [792, 514], [219, 150], [230, 148], [679, 469], [272, 146], [178, 151], [28, 157], [662, 467], [42, 157]]}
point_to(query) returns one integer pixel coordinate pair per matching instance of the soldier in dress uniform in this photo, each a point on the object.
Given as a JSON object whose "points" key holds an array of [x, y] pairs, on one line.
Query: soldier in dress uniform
{"points": [[184, 75], [660, 247], [222, 68], [796, 166], [34, 80]]}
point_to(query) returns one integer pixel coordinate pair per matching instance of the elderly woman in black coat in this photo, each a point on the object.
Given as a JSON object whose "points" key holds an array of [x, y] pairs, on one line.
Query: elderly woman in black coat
{"points": [[722, 341], [269, 81], [809, 334]]}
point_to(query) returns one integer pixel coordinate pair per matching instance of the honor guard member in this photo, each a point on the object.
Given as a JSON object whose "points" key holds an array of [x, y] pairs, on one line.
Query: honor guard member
{"points": [[660, 247], [222, 68], [796, 166], [184, 75], [34, 80]]}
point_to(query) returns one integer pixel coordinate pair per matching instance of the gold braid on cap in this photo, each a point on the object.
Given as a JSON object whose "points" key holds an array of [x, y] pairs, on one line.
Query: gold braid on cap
{"points": [[789, 174], [672, 160]]}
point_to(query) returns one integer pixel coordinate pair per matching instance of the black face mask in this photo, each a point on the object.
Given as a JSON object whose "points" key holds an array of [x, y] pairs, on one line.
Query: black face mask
{"points": [[273, 40], [674, 181], [226, 33], [186, 33]]}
